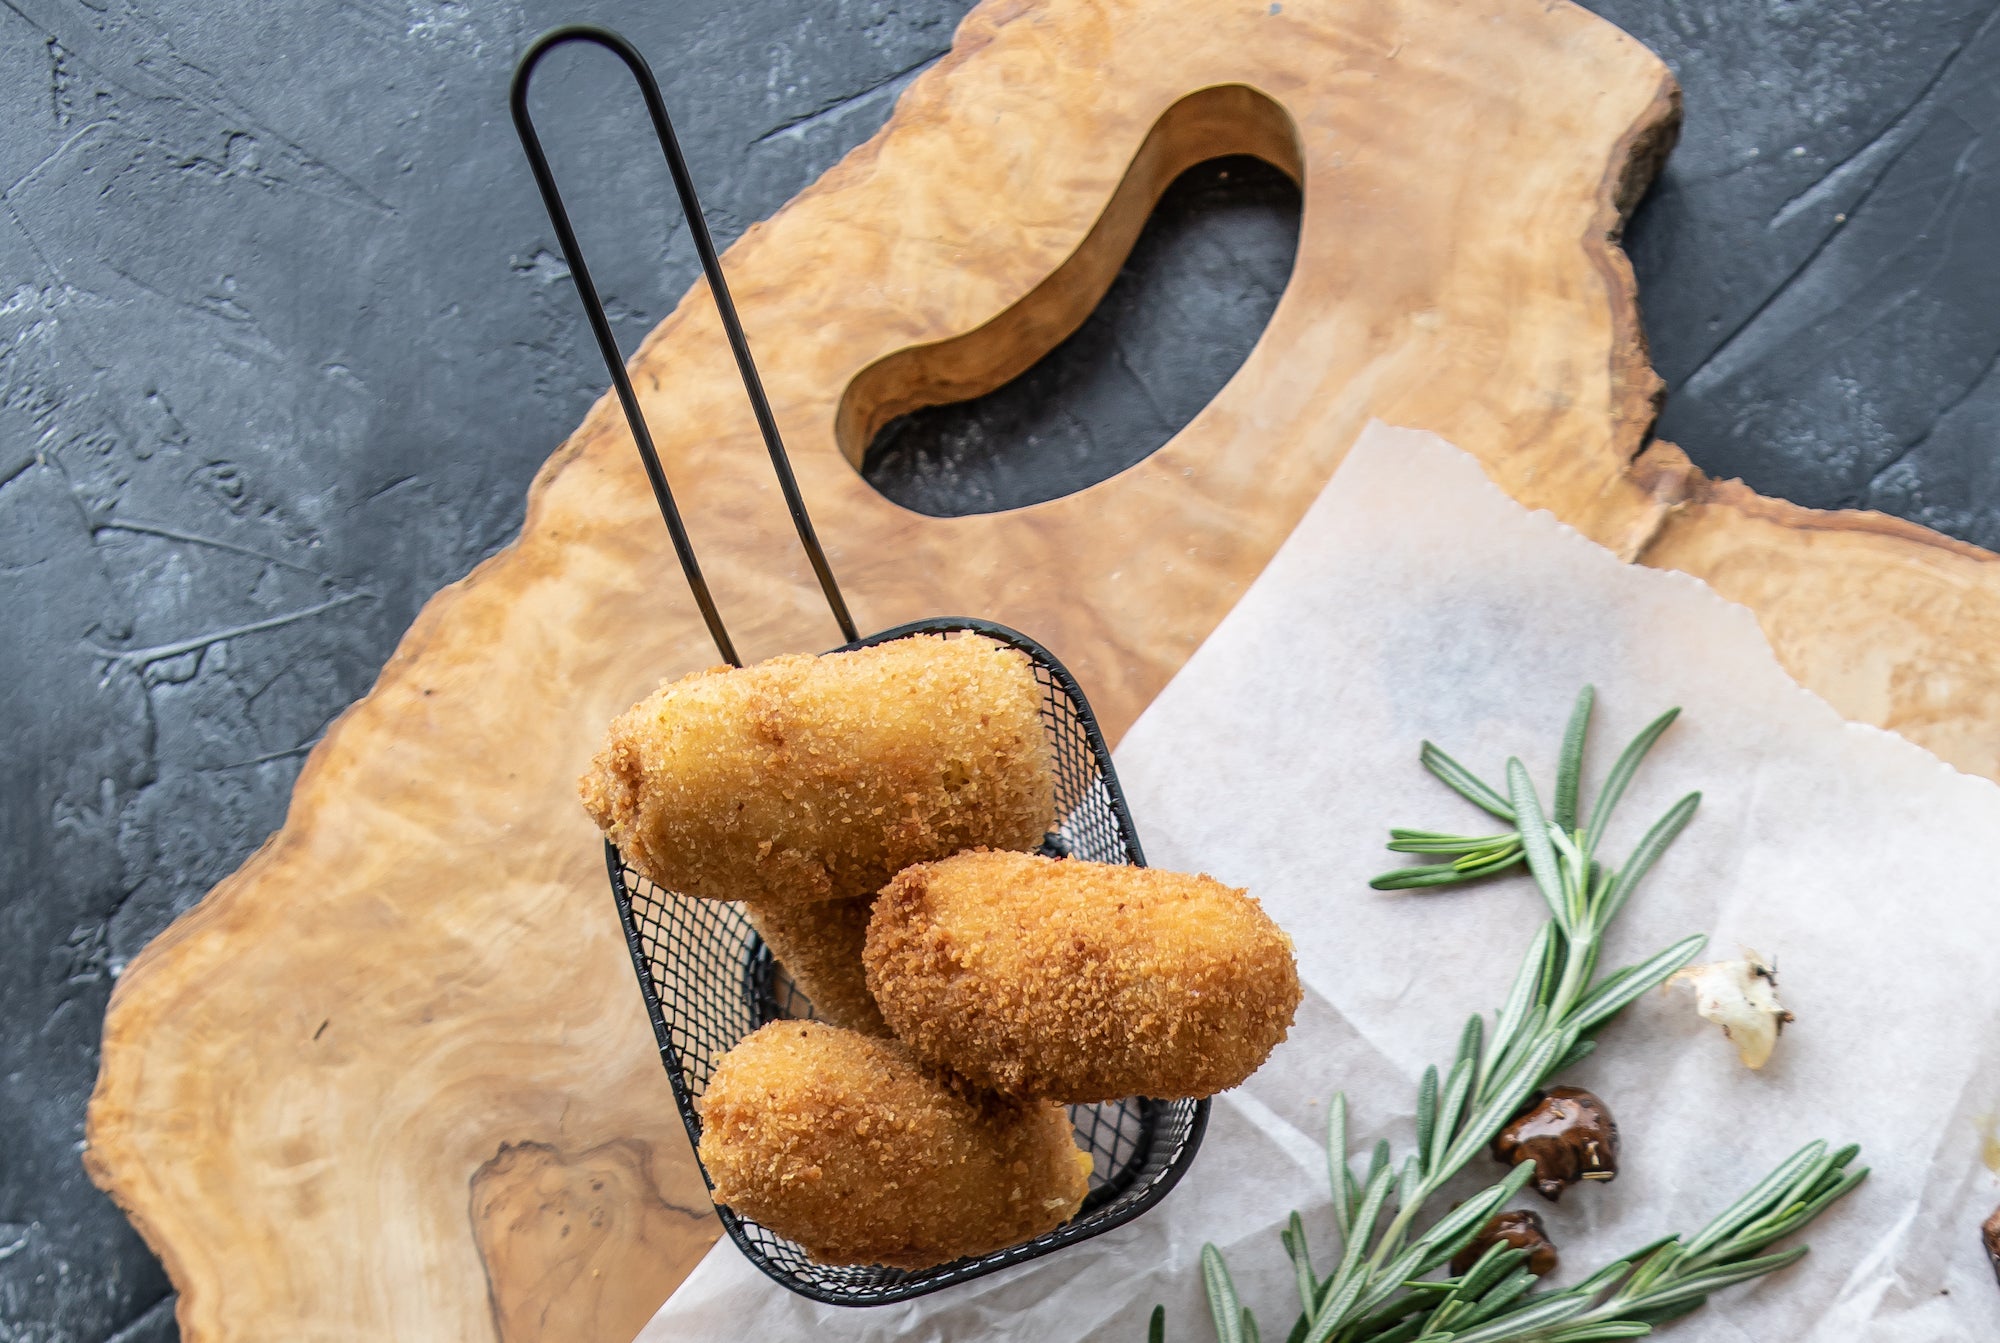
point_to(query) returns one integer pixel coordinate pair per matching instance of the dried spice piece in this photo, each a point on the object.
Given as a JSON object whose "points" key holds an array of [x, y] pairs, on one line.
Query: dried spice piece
{"points": [[1568, 1133], [1520, 1229], [1741, 997], [1989, 1236]]}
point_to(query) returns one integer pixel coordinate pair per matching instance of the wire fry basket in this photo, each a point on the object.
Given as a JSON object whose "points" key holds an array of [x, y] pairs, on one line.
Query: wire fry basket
{"points": [[706, 977], [708, 981]]}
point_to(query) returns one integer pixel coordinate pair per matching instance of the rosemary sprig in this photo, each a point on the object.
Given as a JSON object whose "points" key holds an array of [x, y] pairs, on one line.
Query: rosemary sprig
{"points": [[1475, 856], [1661, 1282], [1377, 1291]]}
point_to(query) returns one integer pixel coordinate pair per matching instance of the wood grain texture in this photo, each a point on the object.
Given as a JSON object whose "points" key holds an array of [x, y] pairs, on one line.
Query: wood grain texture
{"points": [[583, 1245], [306, 1080], [1890, 622]]}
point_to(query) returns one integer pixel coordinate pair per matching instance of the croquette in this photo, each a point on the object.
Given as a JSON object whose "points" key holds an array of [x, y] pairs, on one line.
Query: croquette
{"points": [[844, 1144], [819, 944], [819, 778], [1072, 981]]}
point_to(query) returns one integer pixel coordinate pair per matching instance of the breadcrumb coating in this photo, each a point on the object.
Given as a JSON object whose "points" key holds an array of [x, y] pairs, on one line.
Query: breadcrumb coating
{"points": [[843, 1143], [819, 778], [819, 944], [1074, 981]]}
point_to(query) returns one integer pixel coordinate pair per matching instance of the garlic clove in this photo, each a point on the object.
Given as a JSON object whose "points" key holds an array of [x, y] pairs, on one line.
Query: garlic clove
{"points": [[1741, 997]]}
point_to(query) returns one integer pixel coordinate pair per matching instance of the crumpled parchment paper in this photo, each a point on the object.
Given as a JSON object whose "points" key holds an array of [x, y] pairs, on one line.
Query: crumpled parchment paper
{"points": [[1415, 600]]}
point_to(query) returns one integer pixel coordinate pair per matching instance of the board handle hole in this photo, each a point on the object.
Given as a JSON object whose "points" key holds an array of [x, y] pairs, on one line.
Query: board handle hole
{"points": [[1103, 362]]}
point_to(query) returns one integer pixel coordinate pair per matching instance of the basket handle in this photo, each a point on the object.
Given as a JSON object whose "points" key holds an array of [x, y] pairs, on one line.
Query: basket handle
{"points": [[718, 288]]}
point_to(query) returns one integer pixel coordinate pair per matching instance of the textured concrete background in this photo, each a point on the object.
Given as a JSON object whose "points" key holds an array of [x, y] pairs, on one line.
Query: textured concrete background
{"points": [[282, 339]]}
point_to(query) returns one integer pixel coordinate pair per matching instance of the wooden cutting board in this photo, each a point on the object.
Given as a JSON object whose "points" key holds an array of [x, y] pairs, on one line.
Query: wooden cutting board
{"points": [[392, 1078]]}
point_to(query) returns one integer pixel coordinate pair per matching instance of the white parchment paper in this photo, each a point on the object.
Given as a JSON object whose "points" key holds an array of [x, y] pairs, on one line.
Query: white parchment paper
{"points": [[1415, 600]]}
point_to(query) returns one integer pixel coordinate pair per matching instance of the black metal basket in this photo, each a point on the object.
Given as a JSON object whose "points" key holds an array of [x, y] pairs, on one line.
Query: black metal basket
{"points": [[707, 978]]}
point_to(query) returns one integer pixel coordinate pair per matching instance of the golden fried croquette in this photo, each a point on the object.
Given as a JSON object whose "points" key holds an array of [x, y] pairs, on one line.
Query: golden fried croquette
{"points": [[819, 944], [1074, 981], [819, 778], [843, 1143]]}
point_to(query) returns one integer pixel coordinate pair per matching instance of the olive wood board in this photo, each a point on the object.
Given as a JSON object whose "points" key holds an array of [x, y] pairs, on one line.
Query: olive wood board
{"points": [[392, 1078]]}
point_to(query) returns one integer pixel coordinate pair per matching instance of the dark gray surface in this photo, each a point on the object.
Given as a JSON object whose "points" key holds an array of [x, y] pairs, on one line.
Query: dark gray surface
{"points": [[282, 340], [1817, 265]]}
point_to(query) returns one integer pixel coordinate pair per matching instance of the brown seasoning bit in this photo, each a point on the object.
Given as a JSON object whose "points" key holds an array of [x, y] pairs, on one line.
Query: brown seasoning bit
{"points": [[1570, 1136], [1520, 1229], [1989, 1236]]}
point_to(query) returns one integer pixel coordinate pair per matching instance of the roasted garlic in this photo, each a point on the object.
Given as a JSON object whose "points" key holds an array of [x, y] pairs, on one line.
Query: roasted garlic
{"points": [[1520, 1229], [1568, 1133]]}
